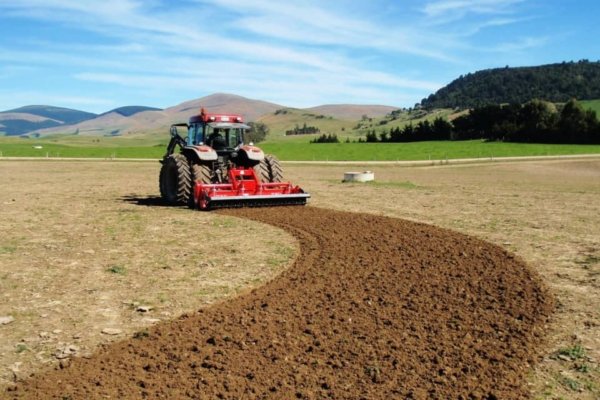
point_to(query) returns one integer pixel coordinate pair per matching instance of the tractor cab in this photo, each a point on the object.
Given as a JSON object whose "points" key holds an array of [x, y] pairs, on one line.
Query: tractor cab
{"points": [[224, 133], [224, 137]]}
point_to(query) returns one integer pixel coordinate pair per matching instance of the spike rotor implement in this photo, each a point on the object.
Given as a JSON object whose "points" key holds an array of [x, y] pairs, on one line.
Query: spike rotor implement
{"points": [[246, 190]]}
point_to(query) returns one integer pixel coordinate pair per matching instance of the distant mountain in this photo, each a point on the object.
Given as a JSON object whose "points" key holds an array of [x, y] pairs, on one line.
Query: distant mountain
{"points": [[135, 119], [115, 123], [250, 109], [30, 118], [128, 111], [553, 82]]}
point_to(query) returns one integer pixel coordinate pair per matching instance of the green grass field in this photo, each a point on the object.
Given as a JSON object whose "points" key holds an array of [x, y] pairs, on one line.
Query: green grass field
{"points": [[15, 149], [592, 105], [419, 150], [296, 151]]}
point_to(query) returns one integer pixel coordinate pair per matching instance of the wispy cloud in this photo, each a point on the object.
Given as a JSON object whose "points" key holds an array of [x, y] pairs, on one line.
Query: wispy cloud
{"points": [[519, 45], [313, 24], [459, 8], [314, 46], [297, 51]]}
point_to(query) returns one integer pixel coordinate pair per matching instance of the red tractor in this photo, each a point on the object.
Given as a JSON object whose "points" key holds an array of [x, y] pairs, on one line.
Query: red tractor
{"points": [[216, 169]]}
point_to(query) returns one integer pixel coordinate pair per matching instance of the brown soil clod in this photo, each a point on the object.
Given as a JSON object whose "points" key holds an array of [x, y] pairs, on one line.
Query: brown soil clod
{"points": [[373, 308]]}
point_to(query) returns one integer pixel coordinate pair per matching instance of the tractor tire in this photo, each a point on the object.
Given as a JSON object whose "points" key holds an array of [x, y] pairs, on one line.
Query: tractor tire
{"points": [[275, 170], [200, 173], [175, 180], [262, 171]]}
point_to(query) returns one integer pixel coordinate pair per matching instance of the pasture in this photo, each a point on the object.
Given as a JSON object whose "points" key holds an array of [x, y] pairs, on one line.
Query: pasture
{"points": [[88, 254], [297, 149]]}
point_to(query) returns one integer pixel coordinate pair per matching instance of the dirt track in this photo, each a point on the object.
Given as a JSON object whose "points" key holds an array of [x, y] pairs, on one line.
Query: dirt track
{"points": [[372, 308]]}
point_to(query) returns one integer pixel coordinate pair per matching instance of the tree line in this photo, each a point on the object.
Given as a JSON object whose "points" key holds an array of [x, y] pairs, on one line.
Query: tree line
{"points": [[304, 130], [535, 121], [326, 138]]}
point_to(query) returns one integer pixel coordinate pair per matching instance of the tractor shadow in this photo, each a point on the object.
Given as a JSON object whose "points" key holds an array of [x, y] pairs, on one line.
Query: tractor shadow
{"points": [[148, 201]]}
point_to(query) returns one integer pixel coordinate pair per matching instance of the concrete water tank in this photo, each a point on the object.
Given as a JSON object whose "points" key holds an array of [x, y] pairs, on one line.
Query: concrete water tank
{"points": [[365, 176]]}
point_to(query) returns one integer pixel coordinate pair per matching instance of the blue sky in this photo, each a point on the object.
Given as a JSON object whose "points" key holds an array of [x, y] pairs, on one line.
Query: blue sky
{"points": [[97, 55]]}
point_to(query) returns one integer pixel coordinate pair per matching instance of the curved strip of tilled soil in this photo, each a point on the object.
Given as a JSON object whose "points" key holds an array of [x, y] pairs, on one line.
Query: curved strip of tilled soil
{"points": [[373, 308]]}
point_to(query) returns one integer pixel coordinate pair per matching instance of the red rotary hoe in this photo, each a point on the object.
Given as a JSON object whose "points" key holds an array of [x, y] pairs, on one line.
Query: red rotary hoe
{"points": [[215, 168]]}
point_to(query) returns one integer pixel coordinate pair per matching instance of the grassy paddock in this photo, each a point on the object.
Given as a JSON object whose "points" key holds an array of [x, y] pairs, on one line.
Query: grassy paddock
{"points": [[592, 105], [59, 150], [419, 150], [317, 152]]}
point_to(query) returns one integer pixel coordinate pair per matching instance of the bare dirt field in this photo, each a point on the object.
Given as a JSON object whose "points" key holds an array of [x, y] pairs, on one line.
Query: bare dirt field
{"points": [[87, 255]]}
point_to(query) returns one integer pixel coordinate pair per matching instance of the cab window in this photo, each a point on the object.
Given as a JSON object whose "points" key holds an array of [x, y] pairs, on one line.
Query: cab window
{"points": [[191, 134], [232, 137]]}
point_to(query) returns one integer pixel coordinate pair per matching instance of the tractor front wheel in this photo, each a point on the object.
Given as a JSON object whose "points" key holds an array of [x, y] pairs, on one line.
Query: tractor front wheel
{"points": [[175, 180], [275, 170]]}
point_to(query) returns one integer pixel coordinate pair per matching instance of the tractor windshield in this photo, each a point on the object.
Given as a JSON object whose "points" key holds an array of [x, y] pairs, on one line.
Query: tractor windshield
{"points": [[225, 136]]}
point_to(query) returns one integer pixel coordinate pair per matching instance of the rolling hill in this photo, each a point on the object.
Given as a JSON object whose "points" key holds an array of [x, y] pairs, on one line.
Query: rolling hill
{"points": [[553, 82], [351, 112], [138, 120], [128, 111]]}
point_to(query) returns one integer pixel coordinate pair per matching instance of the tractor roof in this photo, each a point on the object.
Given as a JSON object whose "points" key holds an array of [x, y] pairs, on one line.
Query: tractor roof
{"points": [[204, 117]]}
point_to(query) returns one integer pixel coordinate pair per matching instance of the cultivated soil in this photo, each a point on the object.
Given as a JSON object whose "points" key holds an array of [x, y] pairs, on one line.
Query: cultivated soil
{"points": [[373, 307], [389, 308]]}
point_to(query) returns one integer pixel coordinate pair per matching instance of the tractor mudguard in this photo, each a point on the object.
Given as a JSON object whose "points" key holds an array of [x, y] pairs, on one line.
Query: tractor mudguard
{"points": [[200, 153], [252, 153]]}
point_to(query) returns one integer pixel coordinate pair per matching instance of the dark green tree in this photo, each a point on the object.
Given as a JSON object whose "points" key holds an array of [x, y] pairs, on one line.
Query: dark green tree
{"points": [[257, 133], [371, 137], [537, 122], [383, 136], [572, 122], [442, 129]]}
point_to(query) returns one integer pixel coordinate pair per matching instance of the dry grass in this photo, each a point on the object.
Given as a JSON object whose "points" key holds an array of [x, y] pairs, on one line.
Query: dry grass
{"points": [[78, 252]]}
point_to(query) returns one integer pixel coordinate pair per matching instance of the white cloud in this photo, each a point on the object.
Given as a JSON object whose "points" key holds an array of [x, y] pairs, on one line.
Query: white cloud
{"points": [[519, 45], [313, 24], [154, 46], [442, 8], [303, 51]]}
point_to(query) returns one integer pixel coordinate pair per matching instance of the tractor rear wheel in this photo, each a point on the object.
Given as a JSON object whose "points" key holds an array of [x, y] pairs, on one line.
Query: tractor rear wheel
{"points": [[200, 173], [276, 172], [175, 179]]}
